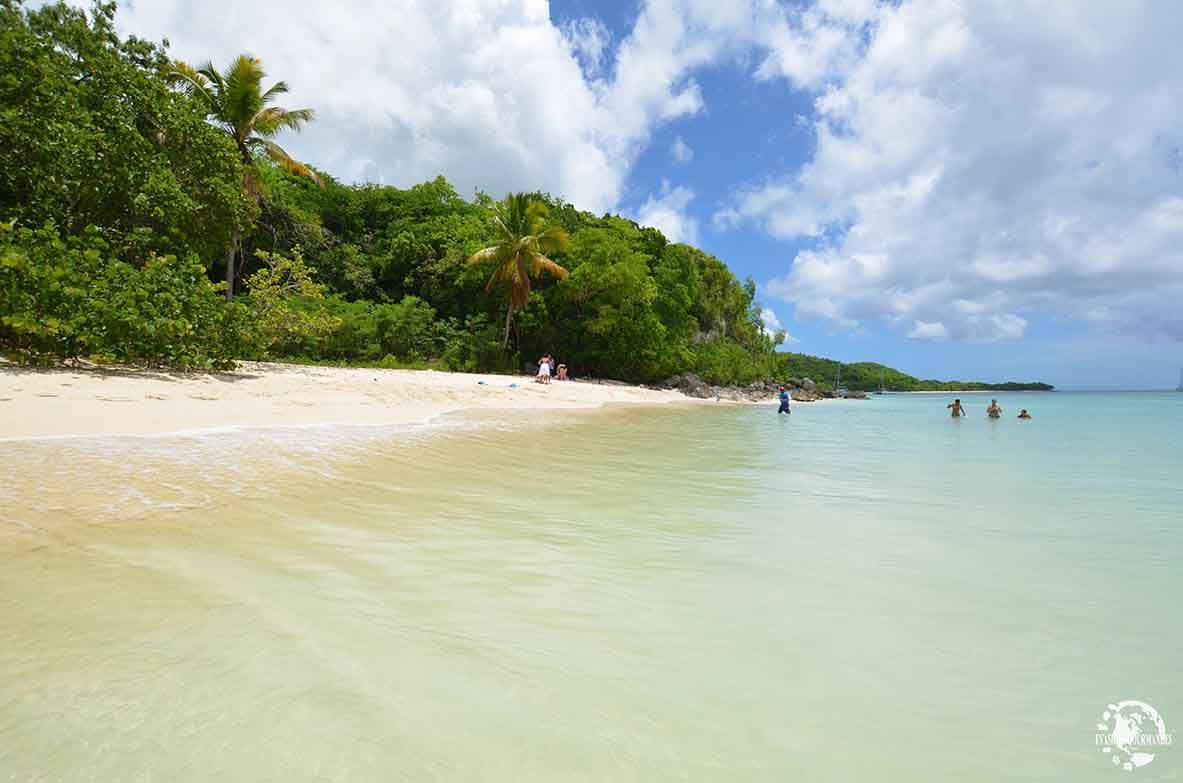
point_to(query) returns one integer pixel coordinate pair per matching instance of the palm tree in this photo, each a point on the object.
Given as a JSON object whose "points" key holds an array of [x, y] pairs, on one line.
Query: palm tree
{"points": [[237, 103], [524, 238]]}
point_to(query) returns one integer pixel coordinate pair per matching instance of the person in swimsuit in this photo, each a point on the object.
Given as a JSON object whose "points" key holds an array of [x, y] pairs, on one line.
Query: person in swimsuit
{"points": [[544, 370], [1023, 414], [995, 410], [784, 401], [955, 406]]}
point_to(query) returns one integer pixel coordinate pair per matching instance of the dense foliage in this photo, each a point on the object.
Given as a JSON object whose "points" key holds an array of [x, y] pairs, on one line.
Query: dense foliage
{"points": [[67, 298], [128, 187], [869, 376], [91, 135]]}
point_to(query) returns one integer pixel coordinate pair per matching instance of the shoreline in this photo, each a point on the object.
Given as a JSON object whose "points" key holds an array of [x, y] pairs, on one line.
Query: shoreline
{"points": [[39, 404]]}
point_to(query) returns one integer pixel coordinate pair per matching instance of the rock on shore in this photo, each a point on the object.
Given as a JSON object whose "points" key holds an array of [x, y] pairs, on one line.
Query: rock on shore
{"points": [[801, 389]]}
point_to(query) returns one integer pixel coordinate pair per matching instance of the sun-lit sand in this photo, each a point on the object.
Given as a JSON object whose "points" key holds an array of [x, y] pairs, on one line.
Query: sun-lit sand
{"points": [[65, 402]]}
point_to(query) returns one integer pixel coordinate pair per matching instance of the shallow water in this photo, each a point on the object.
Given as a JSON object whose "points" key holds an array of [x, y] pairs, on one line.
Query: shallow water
{"points": [[865, 591]]}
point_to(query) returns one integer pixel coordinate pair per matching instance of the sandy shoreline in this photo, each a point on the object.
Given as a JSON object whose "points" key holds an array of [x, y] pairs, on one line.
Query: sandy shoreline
{"points": [[64, 402]]}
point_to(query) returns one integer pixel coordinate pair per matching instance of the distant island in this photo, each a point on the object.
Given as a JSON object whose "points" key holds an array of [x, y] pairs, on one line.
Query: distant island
{"points": [[867, 376]]}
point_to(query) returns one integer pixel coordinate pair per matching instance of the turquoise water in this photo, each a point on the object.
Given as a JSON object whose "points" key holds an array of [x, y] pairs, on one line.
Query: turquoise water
{"points": [[863, 591]]}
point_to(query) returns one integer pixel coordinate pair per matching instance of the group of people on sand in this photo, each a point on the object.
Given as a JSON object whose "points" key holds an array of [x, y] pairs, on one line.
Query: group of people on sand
{"points": [[547, 368], [994, 411]]}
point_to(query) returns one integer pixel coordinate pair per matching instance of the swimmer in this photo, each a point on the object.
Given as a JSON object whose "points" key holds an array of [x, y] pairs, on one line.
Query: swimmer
{"points": [[994, 411], [1023, 414], [958, 410]]}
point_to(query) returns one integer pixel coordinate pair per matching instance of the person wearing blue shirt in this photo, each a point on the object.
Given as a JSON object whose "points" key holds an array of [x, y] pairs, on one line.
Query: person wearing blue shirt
{"points": [[784, 401]]}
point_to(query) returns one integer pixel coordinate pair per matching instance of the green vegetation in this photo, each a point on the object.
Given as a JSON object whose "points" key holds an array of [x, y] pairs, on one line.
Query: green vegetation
{"points": [[867, 376], [136, 193], [237, 104], [518, 254]]}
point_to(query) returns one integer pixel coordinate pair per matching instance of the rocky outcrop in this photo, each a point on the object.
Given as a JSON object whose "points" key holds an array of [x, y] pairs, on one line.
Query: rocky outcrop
{"points": [[800, 389]]}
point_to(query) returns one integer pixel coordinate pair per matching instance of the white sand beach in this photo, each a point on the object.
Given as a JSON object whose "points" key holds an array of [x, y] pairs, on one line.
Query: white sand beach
{"points": [[38, 403]]}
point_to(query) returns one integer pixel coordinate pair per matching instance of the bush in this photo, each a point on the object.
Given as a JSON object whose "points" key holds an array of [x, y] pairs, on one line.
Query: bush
{"points": [[406, 332], [68, 298], [725, 363], [284, 304]]}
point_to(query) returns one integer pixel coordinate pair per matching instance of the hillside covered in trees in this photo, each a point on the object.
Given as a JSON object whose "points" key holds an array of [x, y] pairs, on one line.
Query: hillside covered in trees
{"points": [[147, 215]]}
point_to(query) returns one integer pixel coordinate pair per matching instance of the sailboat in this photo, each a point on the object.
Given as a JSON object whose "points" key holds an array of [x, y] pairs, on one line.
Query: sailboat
{"points": [[881, 389], [1180, 387]]}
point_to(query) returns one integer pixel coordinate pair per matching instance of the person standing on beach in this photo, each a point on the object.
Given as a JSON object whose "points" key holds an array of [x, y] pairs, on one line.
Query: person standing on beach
{"points": [[958, 411], [784, 401], [995, 410], [544, 369]]}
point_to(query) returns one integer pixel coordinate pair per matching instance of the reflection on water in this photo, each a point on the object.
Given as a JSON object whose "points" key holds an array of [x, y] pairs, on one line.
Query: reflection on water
{"points": [[864, 592]]}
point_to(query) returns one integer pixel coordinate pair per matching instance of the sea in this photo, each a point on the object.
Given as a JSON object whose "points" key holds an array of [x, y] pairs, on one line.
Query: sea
{"points": [[860, 591]]}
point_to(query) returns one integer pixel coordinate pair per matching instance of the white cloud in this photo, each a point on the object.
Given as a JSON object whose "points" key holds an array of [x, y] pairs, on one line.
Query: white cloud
{"points": [[925, 330], [772, 325], [666, 212], [492, 94], [589, 39], [977, 164], [681, 152]]}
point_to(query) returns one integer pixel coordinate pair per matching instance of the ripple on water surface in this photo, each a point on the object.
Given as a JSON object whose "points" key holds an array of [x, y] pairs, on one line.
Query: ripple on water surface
{"points": [[865, 591]]}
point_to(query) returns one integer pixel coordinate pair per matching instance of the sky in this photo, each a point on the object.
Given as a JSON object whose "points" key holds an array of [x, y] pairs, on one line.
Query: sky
{"points": [[957, 188]]}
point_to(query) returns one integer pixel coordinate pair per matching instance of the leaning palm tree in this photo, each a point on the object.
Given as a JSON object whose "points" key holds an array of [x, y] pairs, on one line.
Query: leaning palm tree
{"points": [[237, 103], [523, 239]]}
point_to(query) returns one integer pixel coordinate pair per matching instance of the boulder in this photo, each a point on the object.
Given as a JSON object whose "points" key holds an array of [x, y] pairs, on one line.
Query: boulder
{"points": [[690, 385], [808, 384]]}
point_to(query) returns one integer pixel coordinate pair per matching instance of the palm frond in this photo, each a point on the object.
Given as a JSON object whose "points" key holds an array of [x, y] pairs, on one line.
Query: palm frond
{"points": [[241, 95], [519, 292], [542, 263], [277, 89], [271, 120], [494, 253], [505, 271], [211, 72], [553, 240], [285, 161], [535, 216], [189, 80]]}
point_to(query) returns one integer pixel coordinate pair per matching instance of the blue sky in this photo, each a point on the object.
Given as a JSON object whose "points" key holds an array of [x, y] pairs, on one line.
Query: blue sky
{"points": [[958, 188]]}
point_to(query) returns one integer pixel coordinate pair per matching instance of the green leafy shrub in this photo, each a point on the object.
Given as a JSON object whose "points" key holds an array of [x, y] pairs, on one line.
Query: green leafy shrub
{"points": [[67, 298], [283, 303]]}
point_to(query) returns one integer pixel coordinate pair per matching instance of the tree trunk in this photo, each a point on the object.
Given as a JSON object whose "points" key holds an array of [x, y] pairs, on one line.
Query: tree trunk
{"points": [[508, 319], [233, 251]]}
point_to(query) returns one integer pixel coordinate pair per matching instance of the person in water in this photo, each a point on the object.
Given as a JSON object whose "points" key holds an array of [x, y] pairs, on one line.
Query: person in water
{"points": [[1023, 414], [784, 401], [994, 411], [956, 407]]}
